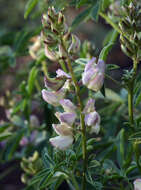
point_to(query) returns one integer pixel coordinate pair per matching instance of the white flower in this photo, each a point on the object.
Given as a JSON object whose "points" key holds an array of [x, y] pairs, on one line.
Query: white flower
{"points": [[61, 142], [137, 184]]}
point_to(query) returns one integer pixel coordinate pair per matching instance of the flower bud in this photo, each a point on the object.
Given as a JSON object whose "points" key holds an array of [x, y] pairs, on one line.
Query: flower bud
{"points": [[137, 184], [93, 76], [33, 49], [92, 119], [75, 45], [53, 83], [66, 117], [68, 105], [62, 129], [60, 18], [53, 98], [50, 54], [61, 142]]}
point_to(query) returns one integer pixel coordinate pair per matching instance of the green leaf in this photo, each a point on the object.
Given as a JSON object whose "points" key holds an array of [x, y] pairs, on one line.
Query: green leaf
{"points": [[29, 7], [21, 41], [4, 126], [104, 53], [83, 16], [13, 143], [110, 67], [95, 11], [31, 80], [138, 100], [5, 135]]}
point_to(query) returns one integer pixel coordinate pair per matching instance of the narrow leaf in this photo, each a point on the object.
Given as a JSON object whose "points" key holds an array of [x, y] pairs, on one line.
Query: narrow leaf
{"points": [[29, 7]]}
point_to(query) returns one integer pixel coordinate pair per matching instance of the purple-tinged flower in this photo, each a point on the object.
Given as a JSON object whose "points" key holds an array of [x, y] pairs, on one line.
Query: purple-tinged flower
{"points": [[61, 142], [68, 105], [62, 129], [89, 106], [24, 141], [53, 97], [58, 82], [53, 83], [93, 76], [61, 74], [137, 184], [66, 117], [92, 119]]}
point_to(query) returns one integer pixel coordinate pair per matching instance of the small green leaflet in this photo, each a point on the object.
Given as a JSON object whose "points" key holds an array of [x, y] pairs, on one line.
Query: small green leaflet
{"points": [[29, 7]]}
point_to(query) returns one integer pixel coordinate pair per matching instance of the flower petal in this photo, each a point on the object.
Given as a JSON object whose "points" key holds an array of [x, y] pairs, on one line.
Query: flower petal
{"points": [[62, 129], [61, 142], [66, 117], [53, 97], [60, 74], [68, 105], [137, 184]]}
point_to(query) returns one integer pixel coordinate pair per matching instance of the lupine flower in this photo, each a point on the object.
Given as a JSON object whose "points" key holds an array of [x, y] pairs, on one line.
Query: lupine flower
{"points": [[66, 117], [137, 184], [68, 105], [61, 142], [93, 76], [62, 129], [92, 118], [53, 97]]}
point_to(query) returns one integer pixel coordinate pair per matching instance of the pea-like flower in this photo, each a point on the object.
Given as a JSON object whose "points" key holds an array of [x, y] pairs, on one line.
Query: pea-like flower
{"points": [[57, 88], [53, 97], [68, 105], [92, 118], [93, 76], [66, 117], [65, 138], [61, 142], [137, 184]]}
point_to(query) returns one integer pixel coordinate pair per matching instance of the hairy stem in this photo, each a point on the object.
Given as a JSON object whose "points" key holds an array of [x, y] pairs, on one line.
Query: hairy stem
{"points": [[80, 106]]}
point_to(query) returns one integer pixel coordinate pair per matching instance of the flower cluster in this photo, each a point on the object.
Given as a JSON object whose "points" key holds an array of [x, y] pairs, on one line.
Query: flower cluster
{"points": [[56, 97]]}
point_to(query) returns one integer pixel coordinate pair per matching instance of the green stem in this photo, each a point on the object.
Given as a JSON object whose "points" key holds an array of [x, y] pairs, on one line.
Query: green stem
{"points": [[77, 89], [130, 105], [130, 93], [74, 182], [83, 129]]}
